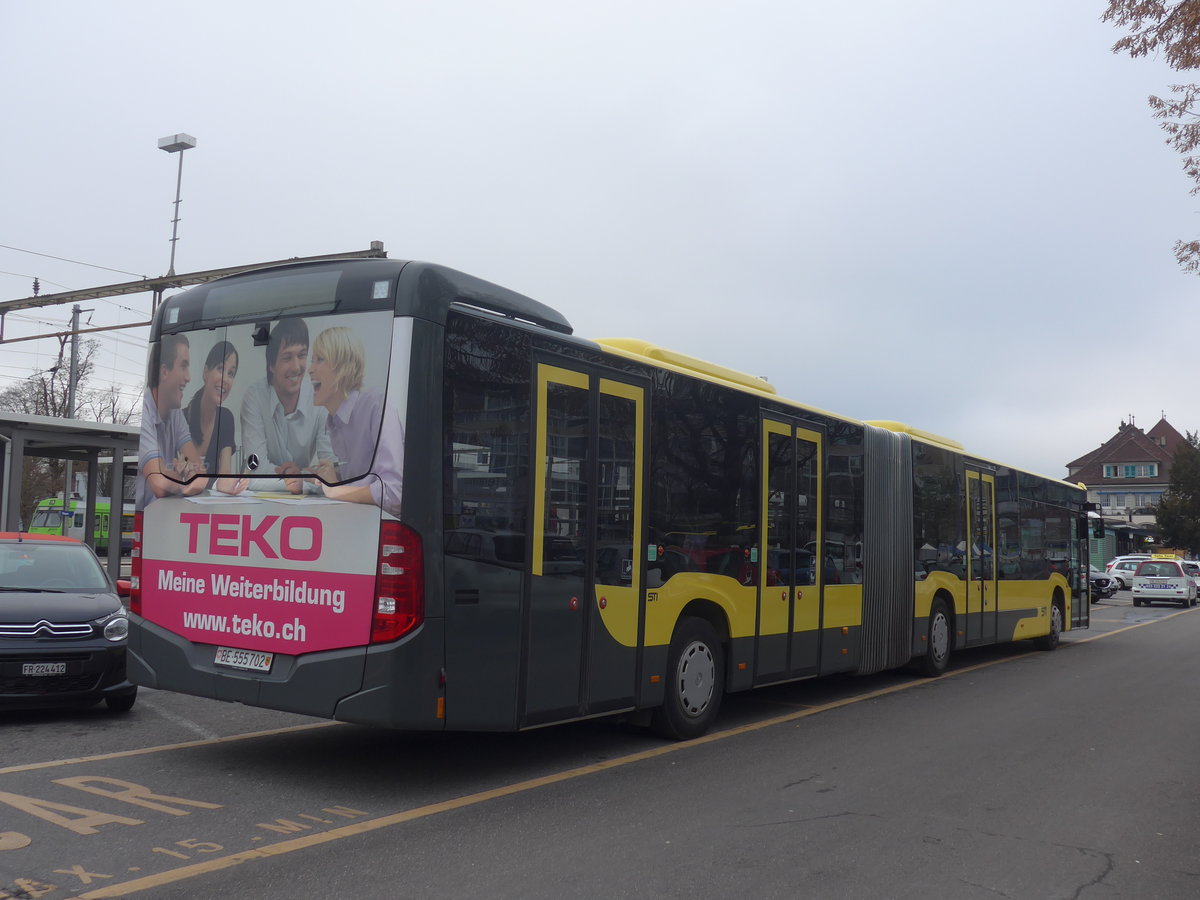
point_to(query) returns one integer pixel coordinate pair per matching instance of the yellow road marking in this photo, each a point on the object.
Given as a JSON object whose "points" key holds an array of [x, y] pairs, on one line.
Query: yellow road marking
{"points": [[184, 745], [312, 840]]}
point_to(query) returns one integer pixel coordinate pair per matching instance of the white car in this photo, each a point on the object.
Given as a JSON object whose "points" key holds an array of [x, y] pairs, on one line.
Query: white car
{"points": [[1122, 568], [1163, 579], [1193, 571]]}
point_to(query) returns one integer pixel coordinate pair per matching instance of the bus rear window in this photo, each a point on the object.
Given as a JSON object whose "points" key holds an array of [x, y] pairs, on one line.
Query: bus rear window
{"points": [[291, 406], [309, 293]]}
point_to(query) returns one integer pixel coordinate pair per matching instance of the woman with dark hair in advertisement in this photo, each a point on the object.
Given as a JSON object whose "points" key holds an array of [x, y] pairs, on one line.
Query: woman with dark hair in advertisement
{"points": [[210, 421]]}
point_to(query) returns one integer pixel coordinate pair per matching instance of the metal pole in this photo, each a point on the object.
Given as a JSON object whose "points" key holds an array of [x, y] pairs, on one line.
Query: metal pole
{"points": [[73, 374], [175, 221]]}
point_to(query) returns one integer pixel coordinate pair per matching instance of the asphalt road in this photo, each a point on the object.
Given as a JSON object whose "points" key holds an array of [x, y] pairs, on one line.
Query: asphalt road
{"points": [[1019, 774]]}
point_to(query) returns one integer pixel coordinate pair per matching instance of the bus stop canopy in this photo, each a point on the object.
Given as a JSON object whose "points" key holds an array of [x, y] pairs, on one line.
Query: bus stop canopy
{"points": [[68, 439]]}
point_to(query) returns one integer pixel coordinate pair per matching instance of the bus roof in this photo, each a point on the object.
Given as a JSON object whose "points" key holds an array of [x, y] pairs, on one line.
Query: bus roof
{"points": [[421, 289]]}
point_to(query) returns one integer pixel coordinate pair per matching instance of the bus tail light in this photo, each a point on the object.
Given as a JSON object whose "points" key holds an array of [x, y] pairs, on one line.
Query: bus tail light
{"points": [[135, 567], [400, 586]]}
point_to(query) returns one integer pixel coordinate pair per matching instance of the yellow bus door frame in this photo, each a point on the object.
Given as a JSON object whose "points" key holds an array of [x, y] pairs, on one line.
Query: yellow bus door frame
{"points": [[982, 570], [789, 593], [583, 611]]}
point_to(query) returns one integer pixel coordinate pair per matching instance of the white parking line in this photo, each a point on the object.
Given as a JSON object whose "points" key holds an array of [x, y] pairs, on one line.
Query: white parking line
{"points": [[181, 721]]}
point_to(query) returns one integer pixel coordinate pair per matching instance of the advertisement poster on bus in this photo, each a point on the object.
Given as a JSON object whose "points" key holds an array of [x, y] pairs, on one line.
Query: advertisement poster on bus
{"points": [[268, 454]]}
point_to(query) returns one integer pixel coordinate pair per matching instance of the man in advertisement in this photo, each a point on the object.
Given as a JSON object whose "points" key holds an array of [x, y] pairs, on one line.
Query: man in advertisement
{"points": [[283, 432], [165, 432]]}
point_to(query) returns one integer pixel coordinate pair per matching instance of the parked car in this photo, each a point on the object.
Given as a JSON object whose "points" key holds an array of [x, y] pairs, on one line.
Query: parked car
{"points": [[1103, 586], [1163, 579], [63, 629], [1121, 569], [1193, 571]]}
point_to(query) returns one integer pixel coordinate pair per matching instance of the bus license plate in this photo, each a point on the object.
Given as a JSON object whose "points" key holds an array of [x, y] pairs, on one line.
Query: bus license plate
{"points": [[58, 668], [244, 659]]}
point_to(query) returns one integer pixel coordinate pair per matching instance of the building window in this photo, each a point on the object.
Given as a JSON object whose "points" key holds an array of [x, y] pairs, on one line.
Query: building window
{"points": [[1131, 470]]}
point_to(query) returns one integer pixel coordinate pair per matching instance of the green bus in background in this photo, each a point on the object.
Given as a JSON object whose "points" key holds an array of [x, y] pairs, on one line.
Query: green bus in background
{"points": [[50, 516]]}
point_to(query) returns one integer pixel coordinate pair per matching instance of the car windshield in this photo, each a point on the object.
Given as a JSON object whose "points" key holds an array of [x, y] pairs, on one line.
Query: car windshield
{"points": [[51, 566]]}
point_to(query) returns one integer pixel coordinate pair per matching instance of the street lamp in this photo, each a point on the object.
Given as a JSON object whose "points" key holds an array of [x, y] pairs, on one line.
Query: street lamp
{"points": [[176, 143]]}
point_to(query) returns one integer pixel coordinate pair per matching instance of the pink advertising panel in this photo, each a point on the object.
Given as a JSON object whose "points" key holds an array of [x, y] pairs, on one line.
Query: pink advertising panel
{"points": [[269, 575]]}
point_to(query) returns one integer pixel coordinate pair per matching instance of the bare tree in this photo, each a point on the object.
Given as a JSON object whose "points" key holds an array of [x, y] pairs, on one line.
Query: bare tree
{"points": [[46, 393], [1171, 29]]}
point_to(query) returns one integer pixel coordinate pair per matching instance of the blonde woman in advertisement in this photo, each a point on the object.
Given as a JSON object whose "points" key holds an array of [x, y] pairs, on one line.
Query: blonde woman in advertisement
{"points": [[356, 420]]}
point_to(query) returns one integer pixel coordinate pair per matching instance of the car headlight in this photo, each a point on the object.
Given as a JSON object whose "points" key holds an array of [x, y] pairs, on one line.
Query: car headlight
{"points": [[116, 626]]}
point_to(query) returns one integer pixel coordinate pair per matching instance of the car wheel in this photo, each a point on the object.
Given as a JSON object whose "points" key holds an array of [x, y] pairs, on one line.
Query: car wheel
{"points": [[122, 703], [695, 682], [938, 637], [1050, 641]]}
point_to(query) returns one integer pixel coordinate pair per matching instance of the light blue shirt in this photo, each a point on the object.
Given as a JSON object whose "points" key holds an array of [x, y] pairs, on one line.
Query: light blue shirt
{"points": [[277, 437], [160, 439]]}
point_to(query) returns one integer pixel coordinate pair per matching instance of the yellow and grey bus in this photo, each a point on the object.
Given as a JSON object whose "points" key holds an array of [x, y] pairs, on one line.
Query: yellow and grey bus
{"points": [[441, 509]]}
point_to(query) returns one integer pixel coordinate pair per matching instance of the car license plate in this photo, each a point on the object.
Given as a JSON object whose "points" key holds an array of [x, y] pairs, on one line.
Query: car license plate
{"points": [[58, 668], [244, 659]]}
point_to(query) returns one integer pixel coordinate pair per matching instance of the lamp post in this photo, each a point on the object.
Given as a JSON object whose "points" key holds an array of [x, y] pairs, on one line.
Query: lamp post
{"points": [[176, 143]]}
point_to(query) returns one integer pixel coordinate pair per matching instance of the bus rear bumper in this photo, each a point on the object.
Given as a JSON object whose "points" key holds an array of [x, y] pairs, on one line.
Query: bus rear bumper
{"points": [[389, 685], [312, 684]]}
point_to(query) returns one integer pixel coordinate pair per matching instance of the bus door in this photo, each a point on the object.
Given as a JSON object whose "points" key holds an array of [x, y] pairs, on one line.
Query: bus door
{"points": [[789, 611], [1080, 587], [583, 612], [982, 605]]}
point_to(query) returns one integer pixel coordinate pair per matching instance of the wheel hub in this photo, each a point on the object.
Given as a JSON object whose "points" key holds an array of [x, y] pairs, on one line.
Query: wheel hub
{"points": [[697, 673]]}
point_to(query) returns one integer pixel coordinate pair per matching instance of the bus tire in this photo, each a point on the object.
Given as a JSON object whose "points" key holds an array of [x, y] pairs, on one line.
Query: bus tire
{"points": [[1050, 641], [938, 637], [695, 682]]}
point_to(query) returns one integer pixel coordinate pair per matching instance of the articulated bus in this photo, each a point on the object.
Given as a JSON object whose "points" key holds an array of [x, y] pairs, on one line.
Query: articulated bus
{"points": [[52, 516], [432, 506]]}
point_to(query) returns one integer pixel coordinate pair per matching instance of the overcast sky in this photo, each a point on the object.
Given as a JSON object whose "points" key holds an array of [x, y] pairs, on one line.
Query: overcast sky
{"points": [[956, 215]]}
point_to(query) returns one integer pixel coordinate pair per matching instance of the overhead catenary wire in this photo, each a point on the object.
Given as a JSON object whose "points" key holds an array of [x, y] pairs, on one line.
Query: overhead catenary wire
{"points": [[73, 261]]}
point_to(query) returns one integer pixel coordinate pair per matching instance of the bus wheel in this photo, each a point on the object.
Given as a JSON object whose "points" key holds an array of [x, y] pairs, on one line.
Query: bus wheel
{"points": [[1050, 641], [937, 641], [695, 682]]}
